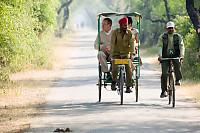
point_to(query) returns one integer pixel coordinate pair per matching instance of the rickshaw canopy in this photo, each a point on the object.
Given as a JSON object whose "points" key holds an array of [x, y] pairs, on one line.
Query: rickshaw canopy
{"points": [[108, 14]]}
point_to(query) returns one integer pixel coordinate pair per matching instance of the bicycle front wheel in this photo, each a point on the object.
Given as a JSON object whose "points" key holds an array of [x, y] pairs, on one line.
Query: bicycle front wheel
{"points": [[121, 85], [173, 91]]}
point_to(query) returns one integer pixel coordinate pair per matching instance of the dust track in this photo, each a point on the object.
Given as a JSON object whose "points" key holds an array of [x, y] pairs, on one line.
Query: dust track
{"points": [[72, 101]]}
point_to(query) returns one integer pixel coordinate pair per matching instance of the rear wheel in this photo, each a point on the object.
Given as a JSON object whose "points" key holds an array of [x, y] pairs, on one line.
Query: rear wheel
{"points": [[121, 85]]}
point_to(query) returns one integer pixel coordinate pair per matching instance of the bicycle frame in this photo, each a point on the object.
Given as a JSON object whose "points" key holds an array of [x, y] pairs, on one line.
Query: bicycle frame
{"points": [[121, 75]]}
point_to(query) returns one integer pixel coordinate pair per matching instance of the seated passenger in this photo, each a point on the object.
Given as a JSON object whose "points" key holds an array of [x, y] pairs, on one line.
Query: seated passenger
{"points": [[135, 36], [105, 40]]}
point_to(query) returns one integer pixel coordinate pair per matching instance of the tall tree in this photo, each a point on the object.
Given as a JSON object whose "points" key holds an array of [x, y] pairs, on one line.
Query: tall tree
{"points": [[65, 7], [194, 14]]}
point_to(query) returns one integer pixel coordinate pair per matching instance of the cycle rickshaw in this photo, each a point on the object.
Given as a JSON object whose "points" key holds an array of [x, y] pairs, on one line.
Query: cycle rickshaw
{"points": [[103, 80]]}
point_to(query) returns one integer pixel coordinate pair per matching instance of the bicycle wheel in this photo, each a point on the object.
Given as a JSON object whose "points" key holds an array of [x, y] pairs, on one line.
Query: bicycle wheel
{"points": [[170, 89], [121, 85], [173, 91], [136, 84]]}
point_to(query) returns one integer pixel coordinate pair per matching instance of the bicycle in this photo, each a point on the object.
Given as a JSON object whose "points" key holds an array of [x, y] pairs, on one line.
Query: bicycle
{"points": [[171, 85], [122, 77]]}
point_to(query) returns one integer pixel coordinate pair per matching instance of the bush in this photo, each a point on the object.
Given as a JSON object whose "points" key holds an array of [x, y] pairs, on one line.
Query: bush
{"points": [[24, 34], [191, 64]]}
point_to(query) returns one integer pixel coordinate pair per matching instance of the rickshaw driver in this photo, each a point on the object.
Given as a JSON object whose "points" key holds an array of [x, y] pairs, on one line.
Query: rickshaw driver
{"points": [[122, 47], [105, 40]]}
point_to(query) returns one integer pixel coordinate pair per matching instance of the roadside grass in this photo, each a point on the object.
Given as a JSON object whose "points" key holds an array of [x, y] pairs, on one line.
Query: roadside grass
{"points": [[21, 99]]}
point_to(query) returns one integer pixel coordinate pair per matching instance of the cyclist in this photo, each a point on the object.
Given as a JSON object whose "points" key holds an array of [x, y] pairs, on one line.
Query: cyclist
{"points": [[122, 46], [170, 45]]}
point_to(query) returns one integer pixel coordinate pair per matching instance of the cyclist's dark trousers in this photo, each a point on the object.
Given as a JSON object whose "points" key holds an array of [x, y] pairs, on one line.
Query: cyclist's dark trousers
{"points": [[165, 69], [128, 71]]}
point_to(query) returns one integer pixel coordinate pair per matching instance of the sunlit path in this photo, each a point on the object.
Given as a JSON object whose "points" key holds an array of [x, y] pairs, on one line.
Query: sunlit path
{"points": [[72, 101]]}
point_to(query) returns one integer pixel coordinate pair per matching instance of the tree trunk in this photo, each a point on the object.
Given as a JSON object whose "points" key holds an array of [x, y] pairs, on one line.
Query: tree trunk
{"points": [[167, 9], [65, 17], [66, 12], [194, 16]]}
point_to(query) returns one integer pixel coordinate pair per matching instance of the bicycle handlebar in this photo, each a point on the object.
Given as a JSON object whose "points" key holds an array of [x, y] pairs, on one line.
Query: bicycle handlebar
{"points": [[176, 58], [121, 61], [114, 59]]}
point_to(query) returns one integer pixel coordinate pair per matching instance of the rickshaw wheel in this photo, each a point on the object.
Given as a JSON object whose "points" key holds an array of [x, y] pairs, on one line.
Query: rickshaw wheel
{"points": [[136, 90], [136, 84], [99, 87]]}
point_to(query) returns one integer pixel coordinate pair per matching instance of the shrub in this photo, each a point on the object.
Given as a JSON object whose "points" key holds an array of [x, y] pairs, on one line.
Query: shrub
{"points": [[24, 29], [191, 64]]}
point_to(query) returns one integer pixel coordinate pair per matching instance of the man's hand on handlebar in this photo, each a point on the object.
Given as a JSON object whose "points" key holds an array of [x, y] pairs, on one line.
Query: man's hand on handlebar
{"points": [[132, 58], [109, 58], [181, 57], [159, 58]]}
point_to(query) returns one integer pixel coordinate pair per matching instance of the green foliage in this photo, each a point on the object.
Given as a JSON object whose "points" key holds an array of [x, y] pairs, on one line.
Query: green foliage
{"points": [[150, 30], [24, 27], [191, 64], [154, 17], [183, 25], [45, 12]]}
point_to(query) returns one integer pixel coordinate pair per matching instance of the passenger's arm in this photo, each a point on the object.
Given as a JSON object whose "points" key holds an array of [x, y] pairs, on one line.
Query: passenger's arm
{"points": [[96, 43]]}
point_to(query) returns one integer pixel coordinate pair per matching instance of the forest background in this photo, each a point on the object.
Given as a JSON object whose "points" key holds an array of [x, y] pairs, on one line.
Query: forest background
{"points": [[28, 28]]}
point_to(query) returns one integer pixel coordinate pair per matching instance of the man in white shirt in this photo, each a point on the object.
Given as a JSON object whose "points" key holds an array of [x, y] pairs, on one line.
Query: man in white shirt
{"points": [[105, 40], [136, 39]]}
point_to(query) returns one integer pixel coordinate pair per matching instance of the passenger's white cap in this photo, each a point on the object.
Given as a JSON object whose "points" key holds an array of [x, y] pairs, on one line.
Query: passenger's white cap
{"points": [[170, 24]]}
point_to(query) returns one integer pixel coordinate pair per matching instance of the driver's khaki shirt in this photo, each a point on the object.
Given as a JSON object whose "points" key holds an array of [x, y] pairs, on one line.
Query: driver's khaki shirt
{"points": [[122, 45]]}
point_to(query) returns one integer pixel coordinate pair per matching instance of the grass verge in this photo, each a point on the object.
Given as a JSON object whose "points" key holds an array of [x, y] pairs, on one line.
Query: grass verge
{"points": [[23, 99]]}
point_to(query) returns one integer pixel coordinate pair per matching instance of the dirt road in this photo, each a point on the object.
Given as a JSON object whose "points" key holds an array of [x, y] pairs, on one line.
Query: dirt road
{"points": [[72, 101]]}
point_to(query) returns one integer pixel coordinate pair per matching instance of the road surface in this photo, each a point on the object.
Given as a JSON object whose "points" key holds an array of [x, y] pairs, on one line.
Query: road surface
{"points": [[73, 101]]}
